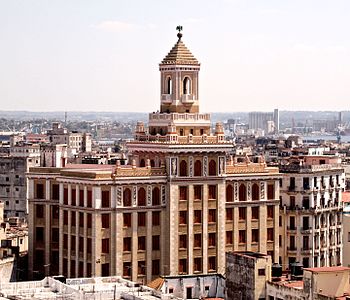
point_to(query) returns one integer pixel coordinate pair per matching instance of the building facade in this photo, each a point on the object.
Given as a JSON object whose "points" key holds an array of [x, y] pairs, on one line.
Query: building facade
{"points": [[311, 212], [176, 208]]}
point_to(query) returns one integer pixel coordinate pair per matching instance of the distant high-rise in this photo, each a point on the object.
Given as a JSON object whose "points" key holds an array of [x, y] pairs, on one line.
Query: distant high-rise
{"points": [[262, 120]]}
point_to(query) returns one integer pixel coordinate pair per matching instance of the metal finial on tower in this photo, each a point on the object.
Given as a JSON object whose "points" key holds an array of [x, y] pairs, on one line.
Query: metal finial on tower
{"points": [[179, 28]]}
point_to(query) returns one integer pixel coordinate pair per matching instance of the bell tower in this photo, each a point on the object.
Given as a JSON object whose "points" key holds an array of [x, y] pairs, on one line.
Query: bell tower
{"points": [[179, 80]]}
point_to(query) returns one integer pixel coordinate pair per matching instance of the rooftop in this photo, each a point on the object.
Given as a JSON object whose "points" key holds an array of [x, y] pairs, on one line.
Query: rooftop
{"points": [[327, 269], [180, 55]]}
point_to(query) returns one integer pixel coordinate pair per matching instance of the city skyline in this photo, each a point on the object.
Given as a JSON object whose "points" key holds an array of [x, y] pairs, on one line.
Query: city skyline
{"points": [[254, 56]]}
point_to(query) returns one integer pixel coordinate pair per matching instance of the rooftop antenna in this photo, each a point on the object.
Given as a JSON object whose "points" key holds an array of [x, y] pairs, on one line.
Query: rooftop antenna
{"points": [[65, 119]]}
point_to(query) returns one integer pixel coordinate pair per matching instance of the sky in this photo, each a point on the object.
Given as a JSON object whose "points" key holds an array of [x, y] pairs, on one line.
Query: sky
{"points": [[86, 55]]}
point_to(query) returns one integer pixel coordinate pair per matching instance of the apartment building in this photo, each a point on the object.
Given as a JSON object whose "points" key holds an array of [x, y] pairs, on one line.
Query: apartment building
{"points": [[311, 211], [180, 203], [13, 167]]}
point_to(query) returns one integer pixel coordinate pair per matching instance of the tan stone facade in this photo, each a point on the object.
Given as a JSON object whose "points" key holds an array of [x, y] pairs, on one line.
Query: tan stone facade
{"points": [[180, 204]]}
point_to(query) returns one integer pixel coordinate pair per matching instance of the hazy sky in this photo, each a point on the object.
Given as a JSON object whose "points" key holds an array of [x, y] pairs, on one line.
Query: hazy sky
{"points": [[104, 55]]}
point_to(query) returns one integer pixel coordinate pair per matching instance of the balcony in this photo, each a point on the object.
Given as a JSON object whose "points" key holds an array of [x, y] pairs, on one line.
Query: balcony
{"points": [[166, 98], [306, 251], [187, 98], [292, 250], [291, 188], [292, 229], [306, 230]]}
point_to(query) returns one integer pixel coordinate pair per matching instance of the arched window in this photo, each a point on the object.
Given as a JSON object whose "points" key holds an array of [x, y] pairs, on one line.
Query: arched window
{"points": [[198, 168], [156, 196], [152, 163], [255, 192], [183, 168], [186, 86], [242, 192], [212, 168], [127, 197], [141, 197], [229, 193], [142, 163], [169, 86]]}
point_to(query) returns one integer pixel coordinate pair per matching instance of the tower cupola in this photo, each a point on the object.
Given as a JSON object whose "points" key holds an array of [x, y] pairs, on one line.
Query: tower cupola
{"points": [[179, 79]]}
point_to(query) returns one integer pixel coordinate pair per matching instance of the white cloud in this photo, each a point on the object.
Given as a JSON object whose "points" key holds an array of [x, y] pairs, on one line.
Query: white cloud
{"points": [[115, 26]]}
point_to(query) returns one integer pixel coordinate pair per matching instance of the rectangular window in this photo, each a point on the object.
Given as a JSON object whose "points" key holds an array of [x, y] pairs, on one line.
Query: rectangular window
{"points": [[261, 272], [105, 220], [155, 267], [40, 191], [270, 191], [88, 245], [292, 202], [105, 199], [197, 192], [255, 235], [212, 263], [229, 237], [242, 213], [127, 244], [65, 217], [197, 240], [197, 264], [197, 218], [89, 221], [212, 191], [39, 234], [105, 245], [65, 241], [55, 212], [229, 214], [212, 239], [306, 202], [55, 235], [141, 219], [74, 197], [81, 198], [65, 196], [55, 192], [89, 198], [183, 217], [127, 269], [292, 223], [127, 219], [155, 218], [255, 212], [242, 236], [81, 219], [141, 243], [81, 244], [182, 266], [183, 192], [270, 234], [141, 268], [270, 211], [40, 211], [73, 218], [212, 215], [72, 242], [155, 242], [183, 241]]}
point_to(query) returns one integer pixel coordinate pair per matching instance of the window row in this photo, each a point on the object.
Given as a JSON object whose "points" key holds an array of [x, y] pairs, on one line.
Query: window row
{"points": [[243, 192]]}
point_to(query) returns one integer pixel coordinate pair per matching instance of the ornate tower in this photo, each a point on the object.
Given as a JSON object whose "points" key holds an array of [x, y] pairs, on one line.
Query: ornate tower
{"points": [[179, 80], [179, 104]]}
